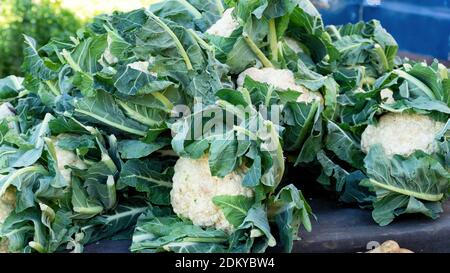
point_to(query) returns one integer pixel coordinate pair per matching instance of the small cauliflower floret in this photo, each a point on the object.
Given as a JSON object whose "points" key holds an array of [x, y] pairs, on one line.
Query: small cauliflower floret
{"points": [[7, 205], [67, 158], [387, 96], [293, 44], [279, 78], [402, 134], [194, 188], [225, 26]]}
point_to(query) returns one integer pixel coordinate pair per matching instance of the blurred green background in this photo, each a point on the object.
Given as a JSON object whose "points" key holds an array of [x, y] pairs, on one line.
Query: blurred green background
{"points": [[43, 19]]}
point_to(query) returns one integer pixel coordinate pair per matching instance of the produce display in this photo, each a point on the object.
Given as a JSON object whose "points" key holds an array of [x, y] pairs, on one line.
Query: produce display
{"points": [[190, 126]]}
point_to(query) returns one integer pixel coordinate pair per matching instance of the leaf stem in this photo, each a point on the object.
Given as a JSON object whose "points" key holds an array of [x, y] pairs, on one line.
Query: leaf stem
{"points": [[200, 41], [52, 88], [220, 6], [191, 9], [112, 124], [422, 196], [257, 51], [273, 40], [70, 61], [174, 37], [32, 169], [380, 52], [134, 114], [306, 127], [164, 100], [111, 188]]}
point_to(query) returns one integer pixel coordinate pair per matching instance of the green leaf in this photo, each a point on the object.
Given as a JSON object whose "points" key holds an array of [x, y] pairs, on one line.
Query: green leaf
{"points": [[419, 175], [10, 87], [290, 211], [104, 226], [72, 143], [34, 64], [134, 149], [83, 204], [344, 145], [23, 228], [158, 230], [147, 176], [102, 109], [253, 176]]}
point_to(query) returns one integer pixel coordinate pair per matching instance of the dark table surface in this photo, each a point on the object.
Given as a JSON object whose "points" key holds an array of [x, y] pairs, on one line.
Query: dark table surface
{"points": [[349, 229]]}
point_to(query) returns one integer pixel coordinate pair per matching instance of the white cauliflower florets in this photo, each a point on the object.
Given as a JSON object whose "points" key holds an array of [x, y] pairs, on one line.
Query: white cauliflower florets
{"points": [[387, 96], [67, 158], [279, 78], [194, 188], [225, 26], [402, 134]]}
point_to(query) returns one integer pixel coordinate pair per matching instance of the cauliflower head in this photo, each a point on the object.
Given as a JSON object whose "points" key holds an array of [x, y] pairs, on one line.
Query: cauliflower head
{"points": [[194, 188], [279, 78], [67, 158], [402, 134], [225, 26]]}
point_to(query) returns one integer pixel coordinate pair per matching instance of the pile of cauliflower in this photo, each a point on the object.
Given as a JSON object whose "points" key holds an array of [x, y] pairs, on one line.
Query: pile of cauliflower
{"points": [[194, 189]]}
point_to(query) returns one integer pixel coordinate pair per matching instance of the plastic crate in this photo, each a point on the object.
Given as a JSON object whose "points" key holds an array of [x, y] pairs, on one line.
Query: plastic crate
{"points": [[419, 26]]}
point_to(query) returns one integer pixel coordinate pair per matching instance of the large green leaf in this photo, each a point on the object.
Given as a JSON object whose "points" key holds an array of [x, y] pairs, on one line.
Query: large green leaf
{"points": [[102, 109], [147, 176], [158, 231], [419, 175], [34, 64], [235, 208]]}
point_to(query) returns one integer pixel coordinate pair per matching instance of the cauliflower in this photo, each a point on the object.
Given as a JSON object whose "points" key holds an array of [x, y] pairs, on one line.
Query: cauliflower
{"points": [[387, 96], [402, 134], [225, 26], [194, 188], [67, 158], [6, 110], [279, 78]]}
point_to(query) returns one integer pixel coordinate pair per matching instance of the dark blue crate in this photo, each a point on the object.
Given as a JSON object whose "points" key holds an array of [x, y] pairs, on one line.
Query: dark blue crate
{"points": [[420, 26]]}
